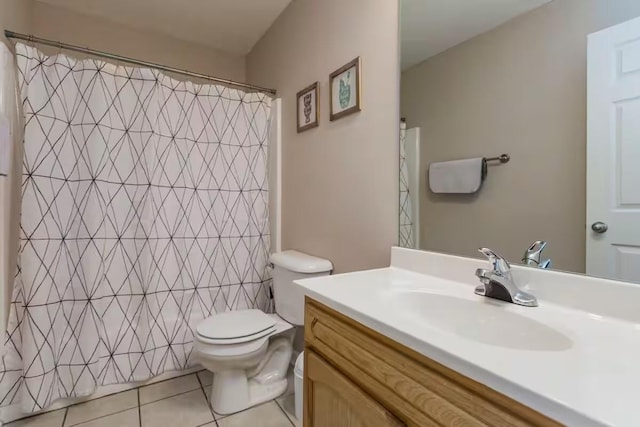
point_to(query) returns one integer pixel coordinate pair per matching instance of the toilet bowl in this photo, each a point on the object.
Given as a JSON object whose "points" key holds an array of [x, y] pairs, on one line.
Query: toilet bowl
{"points": [[249, 351], [249, 368]]}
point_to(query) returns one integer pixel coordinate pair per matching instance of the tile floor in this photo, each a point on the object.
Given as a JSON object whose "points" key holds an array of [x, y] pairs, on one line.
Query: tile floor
{"points": [[178, 402]]}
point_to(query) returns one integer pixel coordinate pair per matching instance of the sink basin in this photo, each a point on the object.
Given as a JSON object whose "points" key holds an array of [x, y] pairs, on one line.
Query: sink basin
{"points": [[486, 321]]}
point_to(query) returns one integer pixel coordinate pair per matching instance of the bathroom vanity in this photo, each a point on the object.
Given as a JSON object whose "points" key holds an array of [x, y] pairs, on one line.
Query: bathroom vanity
{"points": [[358, 377], [412, 344]]}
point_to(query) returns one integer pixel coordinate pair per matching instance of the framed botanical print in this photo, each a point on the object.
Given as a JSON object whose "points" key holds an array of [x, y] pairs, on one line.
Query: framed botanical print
{"points": [[308, 101], [345, 90]]}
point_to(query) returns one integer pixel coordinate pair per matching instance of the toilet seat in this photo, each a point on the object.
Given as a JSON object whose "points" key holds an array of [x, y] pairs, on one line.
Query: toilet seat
{"points": [[235, 327], [237, 340], [247, 332], [232, 350]]}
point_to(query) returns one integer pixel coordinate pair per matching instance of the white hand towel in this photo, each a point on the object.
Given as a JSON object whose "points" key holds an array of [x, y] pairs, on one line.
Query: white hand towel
{"points": [[458, 176]]}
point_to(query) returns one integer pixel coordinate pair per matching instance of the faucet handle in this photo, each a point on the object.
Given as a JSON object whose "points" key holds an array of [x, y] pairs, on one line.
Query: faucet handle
{"points": [[534, 252], [533, 255], [545, 264], [537, 247], [499, 263]]}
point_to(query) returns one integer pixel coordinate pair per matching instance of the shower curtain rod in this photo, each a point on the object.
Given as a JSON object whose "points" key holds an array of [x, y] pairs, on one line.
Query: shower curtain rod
{"points": [[60, 45]]}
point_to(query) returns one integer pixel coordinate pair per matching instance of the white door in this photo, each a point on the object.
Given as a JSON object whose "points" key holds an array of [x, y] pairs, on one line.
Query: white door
{"points": [[613, 153]]}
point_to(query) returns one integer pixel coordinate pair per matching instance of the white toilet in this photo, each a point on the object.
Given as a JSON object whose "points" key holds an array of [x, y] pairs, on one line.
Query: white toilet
{"points": [[249, 351]]}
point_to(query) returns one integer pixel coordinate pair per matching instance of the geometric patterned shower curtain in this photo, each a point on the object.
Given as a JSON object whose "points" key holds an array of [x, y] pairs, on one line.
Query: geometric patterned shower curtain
{"points": [[407, 239], [144, 210]]}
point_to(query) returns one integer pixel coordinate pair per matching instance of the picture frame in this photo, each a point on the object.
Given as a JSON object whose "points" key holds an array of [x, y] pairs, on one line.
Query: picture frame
{"points": [[344, 90], [308, 107]]}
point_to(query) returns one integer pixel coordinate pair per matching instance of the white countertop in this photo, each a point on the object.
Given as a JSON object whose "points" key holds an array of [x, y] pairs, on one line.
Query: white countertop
{"points": [[587, 374]]}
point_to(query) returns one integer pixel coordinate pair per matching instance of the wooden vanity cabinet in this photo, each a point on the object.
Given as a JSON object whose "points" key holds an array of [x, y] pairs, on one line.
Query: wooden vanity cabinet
{"points": [[354, 376], [339, 402]]}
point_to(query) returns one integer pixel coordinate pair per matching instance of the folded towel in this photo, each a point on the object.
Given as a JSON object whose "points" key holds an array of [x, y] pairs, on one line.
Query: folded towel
{"points": [[458, 176]]}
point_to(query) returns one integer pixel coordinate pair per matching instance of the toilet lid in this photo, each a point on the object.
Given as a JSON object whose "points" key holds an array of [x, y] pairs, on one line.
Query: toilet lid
{"points": [[238, 326]]}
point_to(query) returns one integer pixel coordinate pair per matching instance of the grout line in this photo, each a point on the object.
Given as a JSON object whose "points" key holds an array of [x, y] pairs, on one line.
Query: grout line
{"points": [[100, 417], [26, 417], [139, 409], [101, 397], [35, 415], [131, 389], [137, 388], [166, 397], [284, 412], [168, 379], [213, 414], [169, 397], [41, 414]]}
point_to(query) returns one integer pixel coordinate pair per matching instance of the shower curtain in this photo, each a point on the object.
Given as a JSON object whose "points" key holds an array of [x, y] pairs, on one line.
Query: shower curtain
{"points": [[10, 133], [144, 210], [407, 238]]}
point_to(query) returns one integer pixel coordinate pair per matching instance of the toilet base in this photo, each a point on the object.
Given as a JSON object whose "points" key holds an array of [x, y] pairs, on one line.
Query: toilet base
{"points": [[231, 392], [243, 385]]}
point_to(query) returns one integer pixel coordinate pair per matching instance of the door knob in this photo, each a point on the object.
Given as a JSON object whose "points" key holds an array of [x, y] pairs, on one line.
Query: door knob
{"points": [[599, 227]]}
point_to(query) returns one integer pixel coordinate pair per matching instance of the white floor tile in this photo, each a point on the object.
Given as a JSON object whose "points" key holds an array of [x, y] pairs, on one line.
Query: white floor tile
{"points": [[100, 407], [288, 405], [184, 410], [129, 418], [207, 392], [168, 388], [206, 378], [266, 415], [178, 402], [50, 419]]}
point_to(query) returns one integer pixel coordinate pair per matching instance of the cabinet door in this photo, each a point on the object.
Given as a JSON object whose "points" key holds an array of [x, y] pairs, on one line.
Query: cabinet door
{"points": [[332, 400]]}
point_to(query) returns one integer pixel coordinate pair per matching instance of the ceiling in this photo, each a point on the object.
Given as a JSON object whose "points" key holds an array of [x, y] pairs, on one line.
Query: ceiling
{"points": [[429, 27], [232, 26]]}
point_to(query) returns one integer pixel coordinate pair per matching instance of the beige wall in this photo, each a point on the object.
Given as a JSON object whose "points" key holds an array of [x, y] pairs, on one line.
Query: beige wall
{"points": [[15, 15], [519, 89], [61, 24], [340, 180]]}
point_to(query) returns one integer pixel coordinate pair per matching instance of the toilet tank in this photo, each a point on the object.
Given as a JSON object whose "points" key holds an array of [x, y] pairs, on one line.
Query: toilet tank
{"points": [[287, 267]]}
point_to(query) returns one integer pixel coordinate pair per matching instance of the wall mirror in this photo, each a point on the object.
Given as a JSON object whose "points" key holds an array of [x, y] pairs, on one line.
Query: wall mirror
{"points": [[553, 84]]}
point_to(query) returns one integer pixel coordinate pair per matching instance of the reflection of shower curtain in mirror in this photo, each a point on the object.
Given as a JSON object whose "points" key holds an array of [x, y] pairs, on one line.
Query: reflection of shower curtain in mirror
{"points": [[407, 238], [10, 134], [144, 210]]}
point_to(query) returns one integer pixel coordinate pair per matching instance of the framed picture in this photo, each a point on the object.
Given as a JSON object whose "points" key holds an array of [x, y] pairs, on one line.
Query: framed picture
{"points": [[308, 107], [345, 90]]}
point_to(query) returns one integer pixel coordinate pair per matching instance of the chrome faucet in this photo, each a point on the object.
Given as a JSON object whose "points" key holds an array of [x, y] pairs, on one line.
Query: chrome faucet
{"points": [[498, 283], [533, 254]]}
